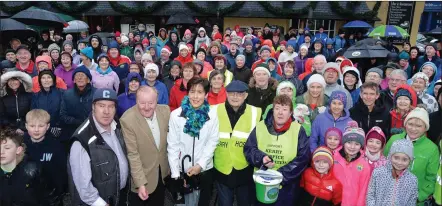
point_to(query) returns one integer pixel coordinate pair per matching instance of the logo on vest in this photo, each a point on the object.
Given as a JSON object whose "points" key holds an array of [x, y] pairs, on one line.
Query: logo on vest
{"points": [[46, 157]]}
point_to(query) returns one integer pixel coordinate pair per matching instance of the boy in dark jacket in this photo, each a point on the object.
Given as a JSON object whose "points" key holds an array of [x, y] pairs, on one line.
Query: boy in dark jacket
{"points": [[21, 182], [41, 146], [320, 185]]}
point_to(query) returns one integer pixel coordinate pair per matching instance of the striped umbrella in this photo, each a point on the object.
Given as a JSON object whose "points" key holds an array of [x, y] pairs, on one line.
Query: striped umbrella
{"points": [[389, 31]]}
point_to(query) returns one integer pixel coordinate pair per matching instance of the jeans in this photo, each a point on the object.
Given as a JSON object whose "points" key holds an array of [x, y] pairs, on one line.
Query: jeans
{"points": [[243, 195]]}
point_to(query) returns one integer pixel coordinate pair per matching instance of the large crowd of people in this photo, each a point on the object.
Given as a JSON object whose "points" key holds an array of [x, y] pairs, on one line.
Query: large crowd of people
{"points": [[145, 115]]}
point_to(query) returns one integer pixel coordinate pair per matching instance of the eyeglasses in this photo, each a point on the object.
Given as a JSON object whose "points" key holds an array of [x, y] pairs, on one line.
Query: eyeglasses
{"points": [[236, 94], [396, 80]]}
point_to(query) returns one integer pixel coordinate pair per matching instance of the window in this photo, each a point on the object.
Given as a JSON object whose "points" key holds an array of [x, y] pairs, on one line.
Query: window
{"points": [[314, 24]]}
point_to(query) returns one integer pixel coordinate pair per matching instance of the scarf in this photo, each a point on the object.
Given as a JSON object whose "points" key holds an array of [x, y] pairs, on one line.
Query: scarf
{"points": [[108, 70], [285, 127], [372, 158], [114, 61], [195, 117]]}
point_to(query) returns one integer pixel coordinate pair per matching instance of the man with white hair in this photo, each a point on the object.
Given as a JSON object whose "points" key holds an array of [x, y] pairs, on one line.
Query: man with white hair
{"points": [[319, 62], [374, 75], [397, 78], [331, 74]]}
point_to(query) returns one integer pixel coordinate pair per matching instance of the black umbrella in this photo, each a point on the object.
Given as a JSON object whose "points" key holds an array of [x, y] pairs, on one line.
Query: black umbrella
{"points": [[39, 17], [180, 18], [371, 41], [104, 34], [11, 28], [366, 51], [3, 14]]}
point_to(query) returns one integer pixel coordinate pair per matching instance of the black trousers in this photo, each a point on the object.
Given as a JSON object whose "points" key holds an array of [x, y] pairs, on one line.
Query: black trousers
{"points": [[156, 198], [206, 186]]}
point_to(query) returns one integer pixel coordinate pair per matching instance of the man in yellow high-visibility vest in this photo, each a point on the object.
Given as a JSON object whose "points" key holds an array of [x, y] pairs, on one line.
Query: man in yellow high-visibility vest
{"points": [[236, 120]]}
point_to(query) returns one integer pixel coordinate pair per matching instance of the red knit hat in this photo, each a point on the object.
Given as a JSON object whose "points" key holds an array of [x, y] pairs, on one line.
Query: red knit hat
{"points": [[117, 34], [145, 41], [376, 133], [344, 63], [323, 153], [204, 46], [283, 43]]}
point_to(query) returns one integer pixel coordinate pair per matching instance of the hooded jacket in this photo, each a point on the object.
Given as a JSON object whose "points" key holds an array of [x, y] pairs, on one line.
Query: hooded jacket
{"points": [[436, 60], [301, 64], [436, 76], [31, 70], [306, 70], [173, 45], [127, 100], [397, 120], [160, 41], [354, 177], [15, 105], [300, 89], [425, 164], [177, 94], [355, 93], [120, 64], [199, 40], [294, 168], [274, 73], [261, 97], [324, 121], [251, 57], [97, 51], [379, 116], [163, 94], [217, 98], [385, 189], [58, 81]]}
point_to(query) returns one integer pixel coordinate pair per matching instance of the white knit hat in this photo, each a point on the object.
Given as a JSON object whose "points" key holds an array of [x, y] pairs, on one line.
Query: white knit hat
{"points": [[421, 114], [151, 66], [183, 46], [402, 146], [261, 69], [285, 84], [316, 78], [421, 75], [124, 38], [303, 46]]}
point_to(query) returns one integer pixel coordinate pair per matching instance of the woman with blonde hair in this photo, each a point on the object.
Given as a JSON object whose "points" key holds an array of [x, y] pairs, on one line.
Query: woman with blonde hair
{"points": [[314, 98]]}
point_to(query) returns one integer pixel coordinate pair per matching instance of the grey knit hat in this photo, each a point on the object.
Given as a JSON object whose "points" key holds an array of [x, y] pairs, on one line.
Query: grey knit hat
{"points": [[376, 70], [402, 146]]}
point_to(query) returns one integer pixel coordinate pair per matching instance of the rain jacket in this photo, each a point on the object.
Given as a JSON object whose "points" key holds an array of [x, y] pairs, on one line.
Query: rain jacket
{"points": [[127, 100], [120, 64], [339, 42], [250, 57], [127, 51], [436, 76], [324, 121], [15, 106], [58, 81], [217, 98], [160, 41], [292, 171], [49, 101], [330, 54], [300, 63], [66, 76], [163, 94], [306, 72], [180, 144], [274, 74], [31, 70], [177, 94], [425, 165], [436, 60], [354, 177], [243, 74], [199, 40], [231, 60]]}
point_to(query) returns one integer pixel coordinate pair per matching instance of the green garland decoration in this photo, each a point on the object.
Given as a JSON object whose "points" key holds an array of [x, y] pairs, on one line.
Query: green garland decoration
{"points": [[287, 12], [215, 12], [73, 7], [14, 9], [348, 13], [140, 10]]}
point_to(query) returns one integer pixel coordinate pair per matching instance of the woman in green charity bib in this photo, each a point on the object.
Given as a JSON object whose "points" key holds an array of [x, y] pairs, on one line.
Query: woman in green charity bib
{"points": [[280, 143]]}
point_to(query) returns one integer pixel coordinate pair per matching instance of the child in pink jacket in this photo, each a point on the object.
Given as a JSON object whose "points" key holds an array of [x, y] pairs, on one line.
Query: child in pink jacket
{"points": [[351, 168], [374, 148]]}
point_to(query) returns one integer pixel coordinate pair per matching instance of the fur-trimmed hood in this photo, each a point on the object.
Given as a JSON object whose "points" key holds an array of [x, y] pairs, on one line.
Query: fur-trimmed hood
{"points": [[25, 79], [273, 83]]}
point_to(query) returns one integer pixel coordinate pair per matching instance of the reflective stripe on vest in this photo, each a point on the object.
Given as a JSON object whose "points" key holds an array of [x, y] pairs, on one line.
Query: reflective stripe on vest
{"points": [[229, 78], [282, 148], [229, 151]]}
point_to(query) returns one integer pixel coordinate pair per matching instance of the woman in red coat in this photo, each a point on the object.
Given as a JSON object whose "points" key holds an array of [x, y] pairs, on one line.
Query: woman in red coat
{"points": [[217, 93], [320, 186], [179, 89]]}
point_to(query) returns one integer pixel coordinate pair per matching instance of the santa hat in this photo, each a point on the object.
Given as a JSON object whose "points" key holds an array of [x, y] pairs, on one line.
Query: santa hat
{"points": [[166, 49]]}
